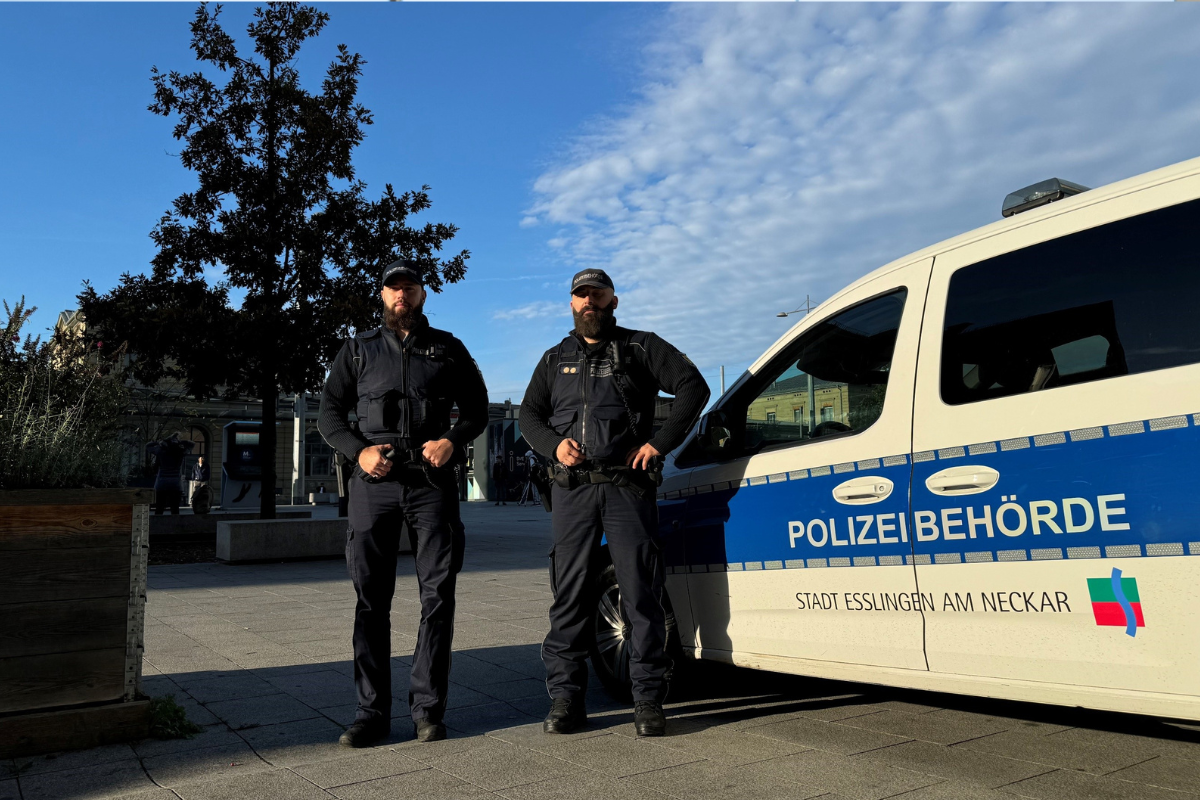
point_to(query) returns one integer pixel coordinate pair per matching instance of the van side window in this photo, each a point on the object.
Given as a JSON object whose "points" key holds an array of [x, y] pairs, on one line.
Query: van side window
{"points": [[830, 381], [1119, 299]]}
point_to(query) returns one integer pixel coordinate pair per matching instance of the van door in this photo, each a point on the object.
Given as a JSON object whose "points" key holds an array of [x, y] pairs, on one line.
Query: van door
{"points": [[1055, 513], [797, 543]]}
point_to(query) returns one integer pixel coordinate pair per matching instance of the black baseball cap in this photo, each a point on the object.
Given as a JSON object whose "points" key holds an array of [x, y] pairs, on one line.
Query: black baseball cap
{"points": [[403, 268], [592, 277]]}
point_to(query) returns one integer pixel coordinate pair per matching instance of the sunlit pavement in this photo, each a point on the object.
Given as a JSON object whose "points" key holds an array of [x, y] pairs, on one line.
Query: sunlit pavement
{"points": [[260, 656]]}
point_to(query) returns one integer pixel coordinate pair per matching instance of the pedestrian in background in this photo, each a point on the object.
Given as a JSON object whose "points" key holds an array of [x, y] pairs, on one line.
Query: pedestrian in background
{"points": [[200, 471], [500, 479]]}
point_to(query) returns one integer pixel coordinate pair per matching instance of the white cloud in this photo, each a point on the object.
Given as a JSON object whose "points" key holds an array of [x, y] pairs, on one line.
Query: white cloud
{"points": [[778, 151], [541, 309]]}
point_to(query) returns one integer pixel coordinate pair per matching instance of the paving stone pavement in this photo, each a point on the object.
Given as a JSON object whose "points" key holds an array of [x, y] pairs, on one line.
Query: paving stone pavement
{"points": [[260, 657]]}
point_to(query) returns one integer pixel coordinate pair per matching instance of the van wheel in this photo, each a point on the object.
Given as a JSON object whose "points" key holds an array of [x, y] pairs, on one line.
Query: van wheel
{"points": [[610, 648]]}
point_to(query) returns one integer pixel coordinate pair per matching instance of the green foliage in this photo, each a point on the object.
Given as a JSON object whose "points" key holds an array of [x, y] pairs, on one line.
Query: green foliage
{"points": [[61, 404], [277, 215], [168, 719]]}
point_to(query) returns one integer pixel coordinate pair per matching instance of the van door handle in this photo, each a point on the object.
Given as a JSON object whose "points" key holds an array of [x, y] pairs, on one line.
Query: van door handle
{"points": [[962, 480], [863, 491]]}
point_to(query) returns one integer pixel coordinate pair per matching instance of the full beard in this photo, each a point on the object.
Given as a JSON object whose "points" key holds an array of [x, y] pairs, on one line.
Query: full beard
{"points": [[595, 326], [403, 320]]}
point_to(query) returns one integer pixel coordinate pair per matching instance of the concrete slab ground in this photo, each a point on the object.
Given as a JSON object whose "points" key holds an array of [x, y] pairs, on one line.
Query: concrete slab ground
{"points": [[260, 657]]}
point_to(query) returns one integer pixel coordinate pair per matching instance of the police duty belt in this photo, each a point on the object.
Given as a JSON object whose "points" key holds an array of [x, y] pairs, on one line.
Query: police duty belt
{"points": [[640, 482]]}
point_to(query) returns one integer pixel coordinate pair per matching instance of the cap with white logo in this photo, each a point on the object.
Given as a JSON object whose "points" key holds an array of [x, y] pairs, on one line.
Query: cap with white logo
{"points": [[592, 277], [404, 268]]}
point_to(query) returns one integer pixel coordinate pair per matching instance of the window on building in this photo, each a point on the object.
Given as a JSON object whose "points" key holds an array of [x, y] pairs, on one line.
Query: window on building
{"points": [[199, 439], [318, 455], [771, 417], [1114, 300]]}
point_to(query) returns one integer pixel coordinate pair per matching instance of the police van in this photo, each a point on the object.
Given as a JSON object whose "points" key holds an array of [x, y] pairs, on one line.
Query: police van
{"points": [[975, 470]]}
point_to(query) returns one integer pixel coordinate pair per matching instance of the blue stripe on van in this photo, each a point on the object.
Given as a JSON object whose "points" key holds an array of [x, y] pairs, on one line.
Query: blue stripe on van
{"points": [[753, 523]]}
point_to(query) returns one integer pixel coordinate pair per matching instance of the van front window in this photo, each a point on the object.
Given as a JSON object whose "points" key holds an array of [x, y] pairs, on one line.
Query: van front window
{"points": [[834, 378]]}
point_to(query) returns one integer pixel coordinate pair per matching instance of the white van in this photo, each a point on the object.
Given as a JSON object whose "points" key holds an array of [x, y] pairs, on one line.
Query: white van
{"points": [[975, 470]]}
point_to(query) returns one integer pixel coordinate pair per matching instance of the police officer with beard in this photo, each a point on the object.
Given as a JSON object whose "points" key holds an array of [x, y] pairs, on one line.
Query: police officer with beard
{"points": [[590, 409], [401, 381]]}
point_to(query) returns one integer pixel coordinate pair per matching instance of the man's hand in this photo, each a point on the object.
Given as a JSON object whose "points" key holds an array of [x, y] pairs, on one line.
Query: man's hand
{"points": [[568, 453], [439, 453], [639, 457], [372, 461]]}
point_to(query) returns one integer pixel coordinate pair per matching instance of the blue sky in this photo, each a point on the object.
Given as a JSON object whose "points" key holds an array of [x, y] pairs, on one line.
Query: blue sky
{"points": [[722, 161]]}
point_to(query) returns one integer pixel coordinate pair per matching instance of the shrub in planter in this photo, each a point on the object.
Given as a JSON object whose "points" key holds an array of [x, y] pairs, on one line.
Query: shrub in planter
{"points": [[61, 402]]}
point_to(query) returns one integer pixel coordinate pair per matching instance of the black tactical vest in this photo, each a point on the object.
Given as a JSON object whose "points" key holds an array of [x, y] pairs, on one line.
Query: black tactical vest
{"points": [[404, 391], [597, 401]]}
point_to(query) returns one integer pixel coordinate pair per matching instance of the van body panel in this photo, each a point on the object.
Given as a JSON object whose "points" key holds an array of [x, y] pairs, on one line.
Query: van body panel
{"points": [[1162, 704], [1077, 566], [671, 515], [757, 584]]}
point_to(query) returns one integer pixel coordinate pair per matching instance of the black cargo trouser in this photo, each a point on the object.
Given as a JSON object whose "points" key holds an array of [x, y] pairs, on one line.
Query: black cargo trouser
{"points": [[167, 494], [629, 522], [373, 541]]}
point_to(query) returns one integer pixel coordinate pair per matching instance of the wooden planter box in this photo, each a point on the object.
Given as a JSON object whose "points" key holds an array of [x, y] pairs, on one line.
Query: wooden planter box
{"points": [[72, 614]]}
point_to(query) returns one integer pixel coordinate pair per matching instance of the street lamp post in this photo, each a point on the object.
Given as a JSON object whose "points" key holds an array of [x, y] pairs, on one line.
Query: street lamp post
{"points": [[812, 394], [299, 416], [807, 307]]}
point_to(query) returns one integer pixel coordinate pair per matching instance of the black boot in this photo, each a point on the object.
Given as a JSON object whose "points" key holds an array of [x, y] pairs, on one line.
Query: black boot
{"points": [[566, 716], [365, 733], [648, 718], [429, 731]]}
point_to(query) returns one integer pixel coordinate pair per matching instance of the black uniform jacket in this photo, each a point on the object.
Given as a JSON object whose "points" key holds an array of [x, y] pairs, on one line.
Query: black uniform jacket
{"points": [[581, 392], [402, 390]]}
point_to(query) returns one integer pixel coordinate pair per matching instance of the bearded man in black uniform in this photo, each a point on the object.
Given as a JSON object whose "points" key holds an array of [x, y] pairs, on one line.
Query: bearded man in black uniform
{"points": [[401, 381], [589, 408]]}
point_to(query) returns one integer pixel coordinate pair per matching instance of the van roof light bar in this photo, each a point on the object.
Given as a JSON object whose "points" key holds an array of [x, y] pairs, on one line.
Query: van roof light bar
{"points": [[1039, 194]]}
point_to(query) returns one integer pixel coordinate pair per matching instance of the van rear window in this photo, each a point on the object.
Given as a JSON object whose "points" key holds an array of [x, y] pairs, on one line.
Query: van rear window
{"points": [[1115, 300]]}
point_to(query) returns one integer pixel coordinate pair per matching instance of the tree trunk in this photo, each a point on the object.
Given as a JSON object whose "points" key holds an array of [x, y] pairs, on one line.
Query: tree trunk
{"points": [[270, 389], [270, 406]]}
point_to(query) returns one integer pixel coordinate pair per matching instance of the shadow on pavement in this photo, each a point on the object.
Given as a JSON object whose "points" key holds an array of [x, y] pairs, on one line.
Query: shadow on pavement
{"points": [[288, 719]]}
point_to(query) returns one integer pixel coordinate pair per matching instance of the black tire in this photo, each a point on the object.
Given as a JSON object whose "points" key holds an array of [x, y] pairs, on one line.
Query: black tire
{"points": [[609, 650]]}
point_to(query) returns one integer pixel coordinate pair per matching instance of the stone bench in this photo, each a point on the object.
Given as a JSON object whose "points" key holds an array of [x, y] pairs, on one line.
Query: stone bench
{"points": [[319, 498], [189, 526], [280, 539], [257, 540]]}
